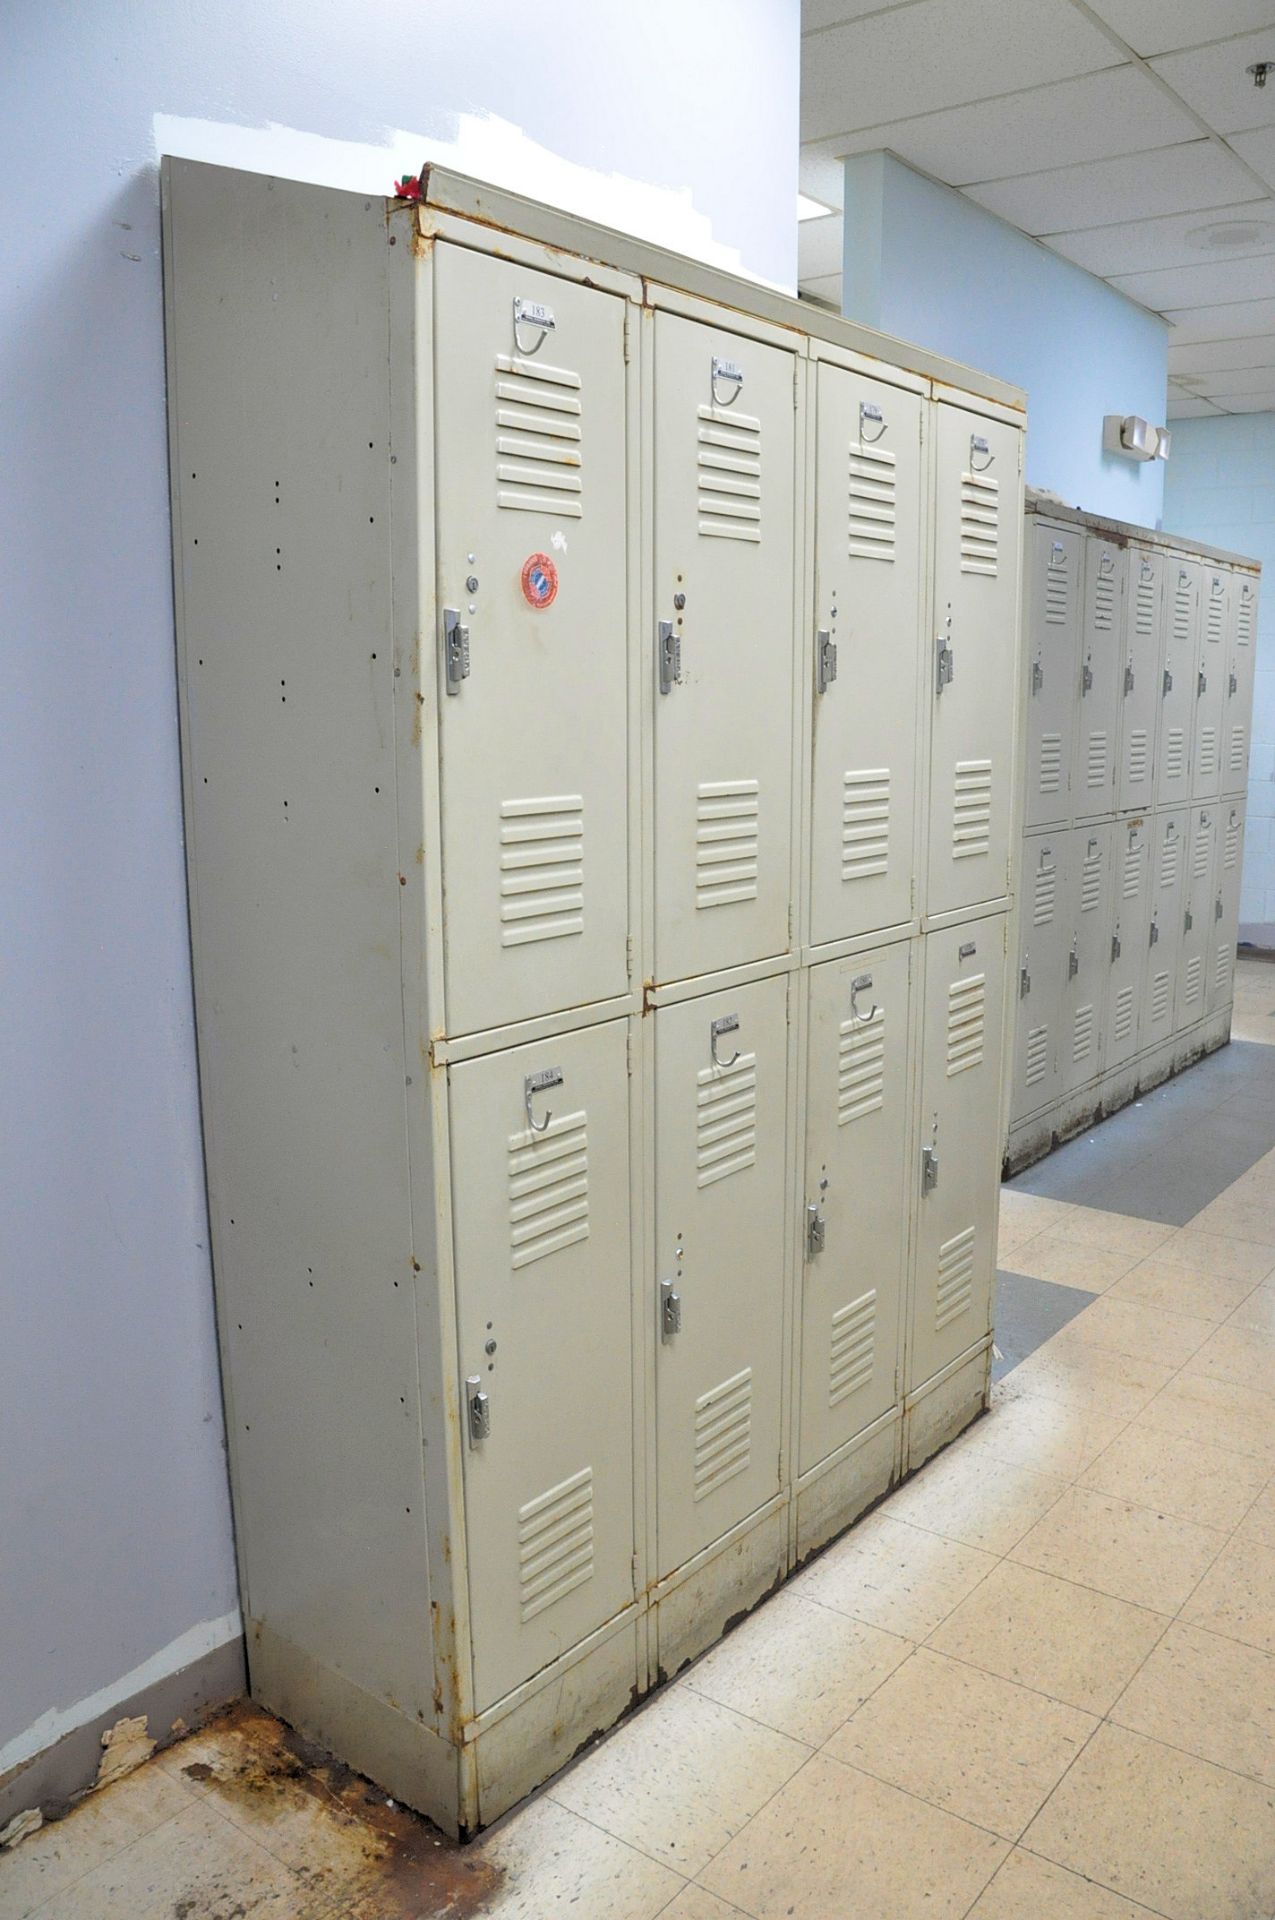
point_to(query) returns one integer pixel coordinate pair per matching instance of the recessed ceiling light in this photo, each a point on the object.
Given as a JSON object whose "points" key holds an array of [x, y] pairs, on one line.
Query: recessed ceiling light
{"points": [[1230, 233], [808, 209]]}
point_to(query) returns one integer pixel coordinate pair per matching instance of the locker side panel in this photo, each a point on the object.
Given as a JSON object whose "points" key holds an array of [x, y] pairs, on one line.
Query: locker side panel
{"points": [[1225, 923], [1130, 921], [1212, 668], [1164, 932], [1053, 609], [1088, 959], [1238, 722], [1140, 679], [1096, 766], [1178, 682], [1044, 943], [1197, 916]]}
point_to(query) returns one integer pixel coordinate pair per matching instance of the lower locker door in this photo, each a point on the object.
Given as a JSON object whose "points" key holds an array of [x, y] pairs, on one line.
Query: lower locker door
{"points": [[1043, 939], [1226, 903], [1197, 918], [540, 1195], [854, 1233], [1164, 934], [957, 1170], [1088, 961], [1131, 908], [721, 1066]]}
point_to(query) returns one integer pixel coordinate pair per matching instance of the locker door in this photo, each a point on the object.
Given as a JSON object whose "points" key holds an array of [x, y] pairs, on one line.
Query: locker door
{"points": [[868, 612], [1239, 693], [858, 1163], [960, 1145], [1211, 682], [977, 507], [1131, 917], [724, 601], [720, 1105], [1043, 947], [530, 484], [1178, 682], [1093, 784], [1164, 933], [1197, 917], [1226, 904], [1053, 616], [1089, 955], [540, 1195], [1140, 679]]}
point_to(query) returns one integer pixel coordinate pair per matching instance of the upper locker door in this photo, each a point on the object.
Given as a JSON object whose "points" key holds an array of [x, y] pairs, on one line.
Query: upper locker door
{"points": [[1130, 918], [960, 1143], [867, 654], [1139, 679], [530, 484], [540, 1199], [1053, 617], [1164, 932], [1196, 925], [1239, 687], [1211, 682], [721, 1069], [978, 507], [1226, 903], [854, 1232], [1093, 781], [724, 557], [1089, 956], [1178, 682], [1043, 944]]}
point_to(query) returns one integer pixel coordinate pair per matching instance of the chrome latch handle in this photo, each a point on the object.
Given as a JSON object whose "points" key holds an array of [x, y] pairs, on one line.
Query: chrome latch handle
{"points": [[670, 1311], [825, 660], [930, 1160], [477, 1409], [455, 650], [669, 643]]}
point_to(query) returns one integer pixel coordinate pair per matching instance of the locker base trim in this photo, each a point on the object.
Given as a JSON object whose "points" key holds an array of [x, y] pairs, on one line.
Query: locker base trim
{"points": [[842, 1488], [704, 1598], [938, 1412]]}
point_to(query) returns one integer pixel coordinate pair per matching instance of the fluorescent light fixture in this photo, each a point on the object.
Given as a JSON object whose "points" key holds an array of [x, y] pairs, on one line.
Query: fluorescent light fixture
{"points": [[808, 209]]}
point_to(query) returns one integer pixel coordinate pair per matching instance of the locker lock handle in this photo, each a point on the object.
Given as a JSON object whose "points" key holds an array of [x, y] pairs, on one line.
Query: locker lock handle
{"points": [[478, 1409], [455, 650], [944, 668], [670, 1310], [669, 648], [930, 1160], [825, 660]]}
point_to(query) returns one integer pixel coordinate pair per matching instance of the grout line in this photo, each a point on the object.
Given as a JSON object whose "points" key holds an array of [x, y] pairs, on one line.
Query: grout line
{"points": [[1157, 1912]]}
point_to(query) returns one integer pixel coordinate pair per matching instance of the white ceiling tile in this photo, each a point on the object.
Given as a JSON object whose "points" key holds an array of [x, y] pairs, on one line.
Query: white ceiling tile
{"points": [[1160, 26], [1138, 246], [819, 247], [1260, 402], [1186, 407], [938, 54], [1221, 323], [1211, 356], [1258, 149], [1217, 386], [1131, 186], [1213, 80], [1212, 282], [817, 14]]}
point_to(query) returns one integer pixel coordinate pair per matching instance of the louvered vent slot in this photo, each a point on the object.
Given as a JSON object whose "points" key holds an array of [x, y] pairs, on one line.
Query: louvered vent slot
{"points": [[555, 1543], [725, 1120], [1091, 886], [723, 1432], [1082, 1032], [729, 474], [1231, 849], [1044, 896], [1132, 870], [1193, 980], [1144, 607], [1238, 754], [1057, 591], [853, 1349], [1037, 1055], [955, 1279], [1138, 756], [872, 502], [1208, 751], [1159, 998], [1244, 618], [541, 869], [1169, 865], [1202, 854], [538, 438], [861, 1068], [726, 819], [1122, 1025], [1182, 611], [1050, 762], [1104, 602], [1097, 773], [1175, 753], [1213, 619], [1222, 969], [980, 523], [966, 1014], [972, 809], [865, 822], [548, 1188]]}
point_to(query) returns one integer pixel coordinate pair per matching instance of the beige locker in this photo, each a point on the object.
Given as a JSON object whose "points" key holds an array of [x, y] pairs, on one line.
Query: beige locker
{"points": [[1044, 943], [1239, 684], [857, 1189], [1130, 924], [531, 543], [977, 510], [1164, 932], [1225, 925], [1054, 612], [1212, 668], [540, 1202], [1088, 956], [1094, 773], [1140, 679], [1179, 682], [724, 557], [868, 657], [1197, 915], [721, 1068], [959, 1143]]}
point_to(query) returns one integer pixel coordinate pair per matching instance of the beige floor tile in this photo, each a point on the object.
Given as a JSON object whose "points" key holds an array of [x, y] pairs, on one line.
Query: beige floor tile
{"points": [[697, 1903], [1032, 1210], [555, 1863], [1071, 1263], [1212, 1697], [1182, 1836], [1259, 1522], [1049, 1436], [1080, 1646], [1116, 1232], [1198, 1406], [1237, 1595], [1157, 1282], [1028, 1888], [1256, 1310], [101, 1827], [1216, 1253], [1238, 1219], [902, 1578], [1146, 1333], [1187, 1478], [967, 1741], [680, 1778], [1149, 1559], [1239, 1353], [989, 1503], [836, 1842], [1066, 1368], [798, 1667]]}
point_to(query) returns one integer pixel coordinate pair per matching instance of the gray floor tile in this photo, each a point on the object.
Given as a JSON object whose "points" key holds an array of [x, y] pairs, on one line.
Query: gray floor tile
{"points": [[1027, 1313]]}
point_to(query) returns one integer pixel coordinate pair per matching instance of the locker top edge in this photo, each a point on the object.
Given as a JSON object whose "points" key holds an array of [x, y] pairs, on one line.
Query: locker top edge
{"points": [[1050, 508]]}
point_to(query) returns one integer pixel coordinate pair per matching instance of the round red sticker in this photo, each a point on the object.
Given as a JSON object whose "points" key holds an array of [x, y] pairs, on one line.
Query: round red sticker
{"points": [[539, 580]]}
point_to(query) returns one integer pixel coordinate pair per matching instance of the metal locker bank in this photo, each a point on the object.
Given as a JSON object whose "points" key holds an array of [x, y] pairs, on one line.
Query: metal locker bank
{"points": [[598, 680]]}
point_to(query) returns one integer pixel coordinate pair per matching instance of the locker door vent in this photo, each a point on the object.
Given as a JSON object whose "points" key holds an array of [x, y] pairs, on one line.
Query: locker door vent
{"points": [[1037, 1056], [1104, 602], [1238, 750], [1222, 969], [726, 817], [872, 502], [1231, 846], [555, 1543], [548, 1188], [723, 1432], [1096, 774], [1050, 762], [726, 1123], [541, 869], [980, 523], [955, 1279], [865, 822], [1091, 885], [1044, 896], [852, 1352], [1057, 591], [1202, 858], [1182, 611], [971, 809], [1208, 751], [861, 1068], [966, 1013], [1082, 1034], [1122, 1025], [1144, 607], [1244, 618], [1169, 865], [1193, 980], [1175, 753], [1132, 870], [1138, 755], [729, 474], [1159, 998], [1213, 619], [538, 434]]}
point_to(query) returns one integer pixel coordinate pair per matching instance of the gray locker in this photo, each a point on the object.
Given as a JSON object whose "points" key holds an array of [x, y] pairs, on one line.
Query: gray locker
{"points": [[1239, 685], [1043, 947], [1179, 682], [1164, 933], [1197, 916], [868, 657], [1054, 617], [1088, 956], [1140, 678], [976, 586], [1225, 924], [1095, 768], [1212, 669], [721, 1072], [724, 557], [857, 1190], [1130, 924]]}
